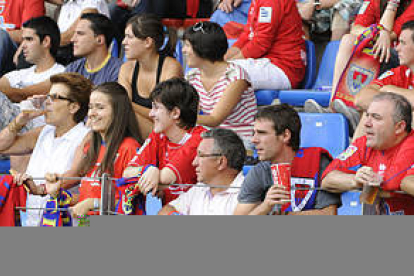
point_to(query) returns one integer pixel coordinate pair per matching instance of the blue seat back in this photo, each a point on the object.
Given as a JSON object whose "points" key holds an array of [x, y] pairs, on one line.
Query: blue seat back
{"points": [[266, 96], [4, 166], [114, 48], [327, 66], [310, 73], [326, 130]]}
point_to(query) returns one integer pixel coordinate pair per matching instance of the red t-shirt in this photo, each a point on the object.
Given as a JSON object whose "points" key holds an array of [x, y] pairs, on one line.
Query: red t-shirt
{"points": [[16, 12], [126, 151], [392, 163], [369, 14], [160, 152], [402, 76], [274, 31]]}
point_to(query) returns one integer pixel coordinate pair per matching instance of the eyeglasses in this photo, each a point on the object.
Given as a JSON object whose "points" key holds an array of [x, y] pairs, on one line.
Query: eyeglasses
{"points": [[201, 155], [54, 97], [199, 27]]}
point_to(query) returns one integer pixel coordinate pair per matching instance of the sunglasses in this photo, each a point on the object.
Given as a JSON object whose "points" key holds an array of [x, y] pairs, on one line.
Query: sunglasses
{"points": [[54, 97], [199, 27]]}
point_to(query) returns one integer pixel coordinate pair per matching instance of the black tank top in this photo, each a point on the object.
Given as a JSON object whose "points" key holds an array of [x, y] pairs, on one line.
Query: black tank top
{"points": [[136, 98]]}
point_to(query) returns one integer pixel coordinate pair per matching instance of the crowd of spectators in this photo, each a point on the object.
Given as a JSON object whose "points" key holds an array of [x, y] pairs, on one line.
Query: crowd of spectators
{"points": [[77, 111]]}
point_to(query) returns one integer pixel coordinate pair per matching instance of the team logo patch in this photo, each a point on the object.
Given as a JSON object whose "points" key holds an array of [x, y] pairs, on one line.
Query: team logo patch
{"points": [[363, 7], [386, 75], [348, 153], [265, 15], [357, 78], [301, 196]]}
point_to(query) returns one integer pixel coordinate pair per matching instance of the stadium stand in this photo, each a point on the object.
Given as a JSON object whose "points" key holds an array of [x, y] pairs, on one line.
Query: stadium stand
{"points": [[321, 89]]}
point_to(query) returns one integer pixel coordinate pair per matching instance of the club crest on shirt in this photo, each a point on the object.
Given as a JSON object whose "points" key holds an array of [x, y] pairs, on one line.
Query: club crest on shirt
{"points": [[347, 153], [265, 15]]}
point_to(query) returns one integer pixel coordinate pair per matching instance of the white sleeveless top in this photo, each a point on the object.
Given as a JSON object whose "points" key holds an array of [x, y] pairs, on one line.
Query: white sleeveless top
{"points": [[51, 155]]}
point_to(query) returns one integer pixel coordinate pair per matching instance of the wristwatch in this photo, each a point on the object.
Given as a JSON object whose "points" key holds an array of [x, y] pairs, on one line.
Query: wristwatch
{"points": [[317, 3]]}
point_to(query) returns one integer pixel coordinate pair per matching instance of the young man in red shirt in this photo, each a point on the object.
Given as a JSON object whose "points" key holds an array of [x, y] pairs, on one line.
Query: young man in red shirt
{"points": [[166, 156], [13, 13], [272, 48]]}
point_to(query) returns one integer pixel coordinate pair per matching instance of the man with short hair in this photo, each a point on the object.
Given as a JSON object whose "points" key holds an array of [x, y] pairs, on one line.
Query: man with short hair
{"points": [[52, 146], [12, 15], [277, 138], [166, 157], [219, 164], [387, 151], [40, 43], [93, 36]]}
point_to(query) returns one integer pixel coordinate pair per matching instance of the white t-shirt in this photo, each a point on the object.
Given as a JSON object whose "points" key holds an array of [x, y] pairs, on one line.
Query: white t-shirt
{"points": [[26, 77], [72, 9], [51, 155], [199, 200]]}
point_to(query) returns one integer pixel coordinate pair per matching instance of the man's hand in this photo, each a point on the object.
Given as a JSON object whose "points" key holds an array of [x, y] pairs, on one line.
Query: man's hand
{"points": [[276, 195], [364, 176]]}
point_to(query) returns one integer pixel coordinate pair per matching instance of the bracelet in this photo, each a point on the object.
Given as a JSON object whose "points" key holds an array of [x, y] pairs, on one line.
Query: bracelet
{"points": [[14, 127], [382, 28], [393, 3]]}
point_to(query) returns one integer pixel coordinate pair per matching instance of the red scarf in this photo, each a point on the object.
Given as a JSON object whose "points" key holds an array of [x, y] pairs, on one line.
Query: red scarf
{"points": [[11, 196]]}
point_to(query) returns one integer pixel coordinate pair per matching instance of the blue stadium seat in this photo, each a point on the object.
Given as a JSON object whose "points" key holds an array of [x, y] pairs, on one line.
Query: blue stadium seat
{"points": [[4, 166], [321, 89], [179, 52], [152, 205], [326, 130], [266, 96], [114, 48], [350, 204]]}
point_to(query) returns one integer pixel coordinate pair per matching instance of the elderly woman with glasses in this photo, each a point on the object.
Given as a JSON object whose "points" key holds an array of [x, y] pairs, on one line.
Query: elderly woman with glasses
{"points": [[148, 64], [227, 99], [52, 146], [112, 144]]}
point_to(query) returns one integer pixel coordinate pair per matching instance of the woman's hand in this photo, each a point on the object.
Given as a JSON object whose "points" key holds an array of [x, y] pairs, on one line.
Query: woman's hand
{"points": [[382, 47], [149, 180], [27, 181], [82, 208]]}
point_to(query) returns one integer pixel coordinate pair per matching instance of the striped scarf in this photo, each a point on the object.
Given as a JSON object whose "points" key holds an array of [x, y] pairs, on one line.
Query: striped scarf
{"points": [[56, 218]]}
